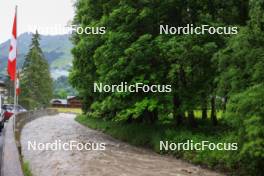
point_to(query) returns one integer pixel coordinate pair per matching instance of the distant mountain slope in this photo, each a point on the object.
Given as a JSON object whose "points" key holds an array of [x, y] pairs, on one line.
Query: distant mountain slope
{"points": [[56, 48]]}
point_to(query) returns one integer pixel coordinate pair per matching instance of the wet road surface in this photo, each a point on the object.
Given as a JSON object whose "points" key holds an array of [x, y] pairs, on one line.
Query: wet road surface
{"points": [[119, 159]]}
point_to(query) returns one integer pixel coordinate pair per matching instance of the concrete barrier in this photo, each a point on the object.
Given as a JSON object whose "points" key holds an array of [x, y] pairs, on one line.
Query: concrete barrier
{"points": [[11, 153], [11, 165]]}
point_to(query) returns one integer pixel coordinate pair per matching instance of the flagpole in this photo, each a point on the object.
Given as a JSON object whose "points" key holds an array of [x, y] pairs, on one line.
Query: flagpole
{"points": [[15, 101], [17, 86]]}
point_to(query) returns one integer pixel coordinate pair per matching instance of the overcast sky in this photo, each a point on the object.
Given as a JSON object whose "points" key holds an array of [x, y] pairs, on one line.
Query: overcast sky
{"points": [[34, 13]]}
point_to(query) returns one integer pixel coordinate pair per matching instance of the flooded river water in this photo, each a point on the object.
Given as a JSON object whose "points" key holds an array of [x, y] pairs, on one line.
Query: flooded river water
{"points": [[119, 159]]}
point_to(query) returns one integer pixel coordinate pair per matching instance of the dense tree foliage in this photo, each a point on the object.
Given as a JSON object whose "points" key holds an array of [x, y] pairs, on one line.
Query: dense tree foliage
{"points": [[133, 51], [245, 113], [241, 70], [36, 82], [205, 71]]}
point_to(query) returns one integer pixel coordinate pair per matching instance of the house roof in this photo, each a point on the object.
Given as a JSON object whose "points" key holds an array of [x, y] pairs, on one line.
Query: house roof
{"points": [[72, 97], [59, 101]]}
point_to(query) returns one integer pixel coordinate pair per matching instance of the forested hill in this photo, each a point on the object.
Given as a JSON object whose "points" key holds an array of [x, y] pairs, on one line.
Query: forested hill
{"points": [[56, 48]]}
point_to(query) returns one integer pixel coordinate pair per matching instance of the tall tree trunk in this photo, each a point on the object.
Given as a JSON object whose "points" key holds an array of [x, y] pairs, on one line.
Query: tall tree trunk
{"points": [[154, 116], [176, 101], [224, 103], [204, 109], [191, 118], [150, 117], [177, 115], [211, 7], [213, 111], [243, 11]]}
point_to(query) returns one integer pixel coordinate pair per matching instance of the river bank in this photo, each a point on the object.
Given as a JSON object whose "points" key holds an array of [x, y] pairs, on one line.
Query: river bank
{"points": [[149, 136]]}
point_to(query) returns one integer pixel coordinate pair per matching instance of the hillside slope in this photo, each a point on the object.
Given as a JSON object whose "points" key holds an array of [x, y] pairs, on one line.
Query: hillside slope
{"points": [[56, 48]]}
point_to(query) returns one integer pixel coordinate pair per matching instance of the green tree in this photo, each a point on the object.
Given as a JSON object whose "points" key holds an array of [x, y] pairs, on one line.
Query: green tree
{"points": [[240, 79], [245, 112], [36, 82], [133, 51]]}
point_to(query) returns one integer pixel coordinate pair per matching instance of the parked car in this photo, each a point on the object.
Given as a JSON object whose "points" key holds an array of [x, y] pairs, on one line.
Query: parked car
{"points": [[8, 110]]}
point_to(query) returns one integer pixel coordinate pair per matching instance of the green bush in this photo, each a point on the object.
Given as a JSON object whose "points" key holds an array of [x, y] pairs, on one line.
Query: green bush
{"points": [[246, 113]]}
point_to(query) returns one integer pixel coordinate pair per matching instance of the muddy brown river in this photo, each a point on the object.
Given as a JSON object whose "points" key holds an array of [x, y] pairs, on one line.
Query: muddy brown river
{"points": [[118, 158]]}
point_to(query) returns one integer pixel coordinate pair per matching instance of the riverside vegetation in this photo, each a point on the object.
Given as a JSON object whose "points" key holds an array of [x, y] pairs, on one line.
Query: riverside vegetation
{"points": [[216, 73]]}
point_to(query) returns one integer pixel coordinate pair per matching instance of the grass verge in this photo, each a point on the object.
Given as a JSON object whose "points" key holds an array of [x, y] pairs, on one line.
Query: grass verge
{"points": [[69, 110], [26, 169]]}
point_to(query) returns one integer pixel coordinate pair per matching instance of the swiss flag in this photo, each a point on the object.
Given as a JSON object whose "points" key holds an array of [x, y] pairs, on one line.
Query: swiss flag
{"points": [[11, 68]]}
